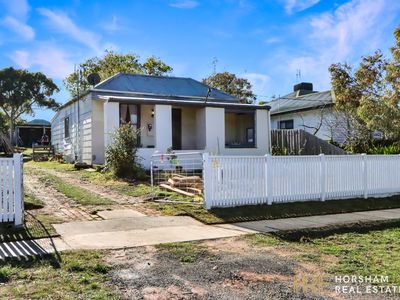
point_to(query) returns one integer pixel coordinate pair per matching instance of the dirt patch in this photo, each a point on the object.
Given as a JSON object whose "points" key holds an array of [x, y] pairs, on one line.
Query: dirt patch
{"points": [[249, 276], [234, 244], [122, 201], [149, 273], [56, 204], [99, 190]]}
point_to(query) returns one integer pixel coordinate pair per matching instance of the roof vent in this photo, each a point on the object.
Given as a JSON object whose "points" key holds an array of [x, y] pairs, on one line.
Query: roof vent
{"points": [[303, 86]]}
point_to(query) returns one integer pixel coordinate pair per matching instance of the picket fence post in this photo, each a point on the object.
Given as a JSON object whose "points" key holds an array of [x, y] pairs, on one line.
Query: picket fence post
{"points": [[206, 181], [268, 177], [323, 176], [18, 190], [365, 175]]}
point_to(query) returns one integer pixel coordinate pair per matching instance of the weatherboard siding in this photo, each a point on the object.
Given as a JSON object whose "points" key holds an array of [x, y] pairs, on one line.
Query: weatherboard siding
{"points": [[74, 148], [331, 129]]}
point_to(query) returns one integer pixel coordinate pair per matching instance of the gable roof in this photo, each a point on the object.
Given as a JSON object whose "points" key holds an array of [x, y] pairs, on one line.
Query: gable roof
{"points": [[294, 102], [162, 86]]}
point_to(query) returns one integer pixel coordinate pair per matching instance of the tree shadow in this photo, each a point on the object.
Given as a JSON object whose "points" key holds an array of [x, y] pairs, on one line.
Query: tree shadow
{"points": [[308, 235]]}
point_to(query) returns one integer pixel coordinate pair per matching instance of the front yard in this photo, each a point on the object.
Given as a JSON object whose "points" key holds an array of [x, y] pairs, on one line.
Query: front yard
{"points": [[250, 267], [187, 206], [254, 266]]}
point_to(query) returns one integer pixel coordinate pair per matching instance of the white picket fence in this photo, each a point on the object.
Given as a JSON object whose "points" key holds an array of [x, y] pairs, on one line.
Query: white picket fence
{"points": [[247, 180], [11, 190]]}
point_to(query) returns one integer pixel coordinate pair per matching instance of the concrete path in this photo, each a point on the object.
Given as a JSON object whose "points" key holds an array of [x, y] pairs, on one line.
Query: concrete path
{"points": [[140, 231], [320, 221], [126, 228]]}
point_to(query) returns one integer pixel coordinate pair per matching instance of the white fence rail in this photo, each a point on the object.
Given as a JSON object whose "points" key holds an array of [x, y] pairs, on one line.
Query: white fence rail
{"points": [[11, 190], [246, 180]]}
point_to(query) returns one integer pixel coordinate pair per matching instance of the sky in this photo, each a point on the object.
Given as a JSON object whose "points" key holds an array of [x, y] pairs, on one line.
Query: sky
{"points": [[265, 41]]}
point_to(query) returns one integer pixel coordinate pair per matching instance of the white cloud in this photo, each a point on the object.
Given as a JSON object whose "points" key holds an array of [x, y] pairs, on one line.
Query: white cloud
{"points": [[272, 40], [292, 6], [64, 24], [46, 58], [17, 8], [15, 19], [113, 25], [352, 30], [24, 31], [184, 4], [258, 81], [21, 58]]}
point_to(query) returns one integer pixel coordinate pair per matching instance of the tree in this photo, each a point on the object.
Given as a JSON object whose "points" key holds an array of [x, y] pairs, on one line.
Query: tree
{"points": [[154, 66], [110, 64], [235, 86], [21, 91], [370, 95]]}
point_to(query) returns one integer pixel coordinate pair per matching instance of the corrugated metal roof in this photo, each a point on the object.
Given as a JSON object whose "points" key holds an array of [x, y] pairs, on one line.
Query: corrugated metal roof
{"points": [[40, 122], [292, 102], [162, 85]]}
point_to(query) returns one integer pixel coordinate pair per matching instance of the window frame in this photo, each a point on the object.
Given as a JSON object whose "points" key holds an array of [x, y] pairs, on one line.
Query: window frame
{"points": [[138, 121], [280, 122], [67, 128]]}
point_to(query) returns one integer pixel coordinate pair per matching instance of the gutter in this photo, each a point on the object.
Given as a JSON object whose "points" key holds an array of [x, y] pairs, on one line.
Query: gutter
{"points": [[277, 113], [185, 102]]}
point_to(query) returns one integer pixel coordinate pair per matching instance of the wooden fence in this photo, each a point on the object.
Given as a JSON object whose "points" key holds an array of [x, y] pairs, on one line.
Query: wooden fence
{"points": [[300, 142], [11, 190], [246, 180]]}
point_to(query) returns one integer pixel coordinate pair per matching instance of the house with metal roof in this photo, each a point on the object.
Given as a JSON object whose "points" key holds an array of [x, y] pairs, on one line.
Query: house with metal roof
{"points": [[309, 110], [175, 113]]}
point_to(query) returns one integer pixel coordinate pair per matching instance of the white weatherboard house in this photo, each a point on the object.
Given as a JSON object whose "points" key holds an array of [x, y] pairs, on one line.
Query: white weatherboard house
{"points": [[171, 112], [310, 110]]}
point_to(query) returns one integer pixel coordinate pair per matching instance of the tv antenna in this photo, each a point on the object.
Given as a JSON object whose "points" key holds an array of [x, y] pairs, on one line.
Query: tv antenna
{"points": [[298, 75], [214, 64]]}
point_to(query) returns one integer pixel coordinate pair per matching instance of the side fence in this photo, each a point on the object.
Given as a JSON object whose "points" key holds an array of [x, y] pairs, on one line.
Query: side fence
{"points": [[300, 142], [11, 190], [246, 180]]}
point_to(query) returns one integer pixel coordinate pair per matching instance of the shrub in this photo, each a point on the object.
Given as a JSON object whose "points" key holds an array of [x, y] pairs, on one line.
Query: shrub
{"points": [[388, 149], [121, 153]]}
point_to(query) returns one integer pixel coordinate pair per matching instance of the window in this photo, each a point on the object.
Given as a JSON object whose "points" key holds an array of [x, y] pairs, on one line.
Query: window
{"points": [[66, 128], [129, 114], [285, 124], [239, 129]]}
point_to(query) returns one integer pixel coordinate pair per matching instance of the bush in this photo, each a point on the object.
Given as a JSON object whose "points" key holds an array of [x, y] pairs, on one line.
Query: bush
{"points": [[121, 154], [387, 149]]}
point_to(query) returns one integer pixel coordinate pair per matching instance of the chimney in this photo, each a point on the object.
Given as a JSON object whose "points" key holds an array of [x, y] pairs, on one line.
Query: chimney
{"points": [[303, 87]]}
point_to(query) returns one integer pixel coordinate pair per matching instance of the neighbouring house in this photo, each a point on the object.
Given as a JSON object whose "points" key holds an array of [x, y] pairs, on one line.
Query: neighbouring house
{"points": [[34, 132], [171, 112], [310, 110]]}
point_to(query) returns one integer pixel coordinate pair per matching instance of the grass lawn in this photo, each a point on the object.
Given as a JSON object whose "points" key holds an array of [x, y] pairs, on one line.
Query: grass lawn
{"points": [[76, 193], [364, 250], [276, 211], [185, 252], [52, 165], [32, 202], [36, 225], [77, 275]]}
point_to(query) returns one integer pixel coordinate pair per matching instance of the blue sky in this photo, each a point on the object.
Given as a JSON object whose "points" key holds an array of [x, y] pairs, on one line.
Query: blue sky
{"points": [[265, 41]]}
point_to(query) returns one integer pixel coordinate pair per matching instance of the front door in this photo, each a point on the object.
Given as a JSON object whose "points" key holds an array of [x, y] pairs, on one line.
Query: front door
{"points": [[176, 129]]}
